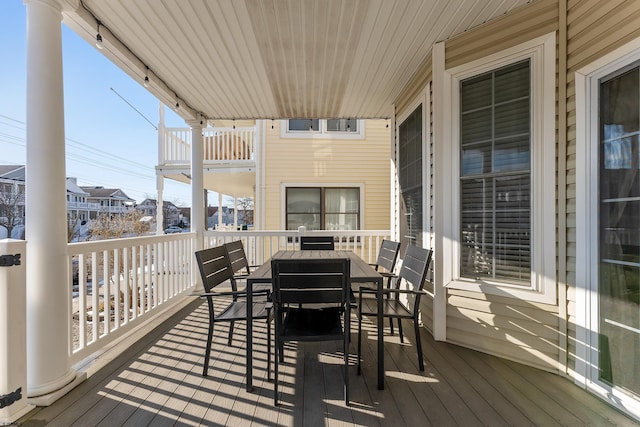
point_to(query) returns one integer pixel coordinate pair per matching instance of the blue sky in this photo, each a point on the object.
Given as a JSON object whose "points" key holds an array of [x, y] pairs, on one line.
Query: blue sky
{"points": [[108, 142]]}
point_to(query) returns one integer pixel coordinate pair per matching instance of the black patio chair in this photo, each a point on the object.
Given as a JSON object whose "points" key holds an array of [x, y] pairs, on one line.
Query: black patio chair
{"points": [[385, 263], [308, 243], [215, 269], [311, 302], [413, 273]]}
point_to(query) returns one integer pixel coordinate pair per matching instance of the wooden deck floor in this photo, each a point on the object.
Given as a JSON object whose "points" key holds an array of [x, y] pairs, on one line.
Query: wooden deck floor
{"points": [[158, 382]]}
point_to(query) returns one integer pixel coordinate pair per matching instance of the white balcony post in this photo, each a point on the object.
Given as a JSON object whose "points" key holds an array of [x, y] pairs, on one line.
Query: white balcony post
{"points": [[197, 183], [48, 371], [160, 205]]}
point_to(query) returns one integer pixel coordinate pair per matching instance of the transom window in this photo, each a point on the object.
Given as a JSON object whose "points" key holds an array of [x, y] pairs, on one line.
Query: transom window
{"points": [[330, 128], [323, 208], [495, 178]]}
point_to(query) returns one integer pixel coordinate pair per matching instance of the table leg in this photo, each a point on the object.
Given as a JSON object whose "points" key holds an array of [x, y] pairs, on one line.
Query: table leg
{"points": [[380, 336], [249, 350]]}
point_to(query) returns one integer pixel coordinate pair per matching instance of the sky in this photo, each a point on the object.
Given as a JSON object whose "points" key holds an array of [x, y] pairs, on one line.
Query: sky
{"points": [[108, 142]]}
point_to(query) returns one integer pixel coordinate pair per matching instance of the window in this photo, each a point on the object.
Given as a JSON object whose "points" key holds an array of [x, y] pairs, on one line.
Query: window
{"points": [[410, 178], [498, 175], [304, 125], [323, 208], [324, 129], [342, 125], [619, 231], [495, 179]]}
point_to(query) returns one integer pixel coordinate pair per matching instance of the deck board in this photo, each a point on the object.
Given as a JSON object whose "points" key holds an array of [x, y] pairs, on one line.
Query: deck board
{"points": [[158, 382]]}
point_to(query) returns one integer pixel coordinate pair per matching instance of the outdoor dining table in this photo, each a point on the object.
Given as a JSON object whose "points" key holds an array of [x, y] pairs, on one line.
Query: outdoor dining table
{"points": [[361, 272]]}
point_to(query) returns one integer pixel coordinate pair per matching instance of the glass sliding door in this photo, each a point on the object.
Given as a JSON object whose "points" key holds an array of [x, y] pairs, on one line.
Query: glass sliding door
{"points": [[619, 232]]}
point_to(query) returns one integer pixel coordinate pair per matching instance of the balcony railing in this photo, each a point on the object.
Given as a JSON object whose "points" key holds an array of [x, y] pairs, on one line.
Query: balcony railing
{"points": [[84, 206], [117, 283], [219, 145], [115, 209]]}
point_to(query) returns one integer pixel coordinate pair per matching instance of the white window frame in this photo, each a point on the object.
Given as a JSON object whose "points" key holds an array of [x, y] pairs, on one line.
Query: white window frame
{"points": [[285, 185], [541, 52], [421, 99], [587, 134], [321, 133]]}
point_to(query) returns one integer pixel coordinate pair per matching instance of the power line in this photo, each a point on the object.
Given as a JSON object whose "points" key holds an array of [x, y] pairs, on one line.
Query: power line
{"points": [[134, 108]]}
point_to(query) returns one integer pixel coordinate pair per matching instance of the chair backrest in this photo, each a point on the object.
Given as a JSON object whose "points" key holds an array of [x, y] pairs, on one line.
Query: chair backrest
{"points": [[214, 267], [388, 255], [308, 243], [237, 256], [415, 266], [310, 281]]}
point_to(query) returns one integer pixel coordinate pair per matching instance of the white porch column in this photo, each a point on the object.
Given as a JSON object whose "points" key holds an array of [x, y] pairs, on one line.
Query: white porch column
{"points": [[159, 205], [48, 371], [197, 183]]}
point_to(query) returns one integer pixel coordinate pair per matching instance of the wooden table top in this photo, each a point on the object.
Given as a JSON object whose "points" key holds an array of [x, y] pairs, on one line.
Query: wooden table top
{"points": [[360, 270]]}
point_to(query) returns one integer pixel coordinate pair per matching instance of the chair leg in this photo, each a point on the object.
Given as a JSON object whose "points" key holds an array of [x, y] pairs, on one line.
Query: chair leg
{"points": [[400, 331], [359, 340], [207, 352], [418, 344], [346, 369], [268, 349], [275, 371], [230, 333]]}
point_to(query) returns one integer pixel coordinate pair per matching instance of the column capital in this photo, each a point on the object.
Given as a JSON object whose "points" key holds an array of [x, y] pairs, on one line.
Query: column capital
{"points": [[55, 5], [198, 123]]}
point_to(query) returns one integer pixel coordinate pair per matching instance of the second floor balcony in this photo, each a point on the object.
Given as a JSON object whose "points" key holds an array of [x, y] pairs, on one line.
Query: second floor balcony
{"points": [[226, 150]]}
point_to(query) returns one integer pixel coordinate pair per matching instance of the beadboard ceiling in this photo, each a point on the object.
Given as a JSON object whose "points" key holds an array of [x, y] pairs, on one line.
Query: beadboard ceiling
{"points": [[252, 59]]}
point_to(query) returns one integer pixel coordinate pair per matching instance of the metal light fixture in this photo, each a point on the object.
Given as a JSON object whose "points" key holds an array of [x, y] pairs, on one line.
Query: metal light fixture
{"points": [[99, 44]]}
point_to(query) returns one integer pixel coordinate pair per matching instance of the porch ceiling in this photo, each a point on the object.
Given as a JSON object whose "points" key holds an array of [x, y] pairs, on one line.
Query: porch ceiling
{"points": [[250, 59]]}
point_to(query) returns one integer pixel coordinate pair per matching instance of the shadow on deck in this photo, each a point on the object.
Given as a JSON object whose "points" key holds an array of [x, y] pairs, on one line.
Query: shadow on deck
{"points": [[158, 382]]}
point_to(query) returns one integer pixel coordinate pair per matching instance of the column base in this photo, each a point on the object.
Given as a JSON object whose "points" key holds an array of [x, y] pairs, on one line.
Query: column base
{"points": [[46, 396]]}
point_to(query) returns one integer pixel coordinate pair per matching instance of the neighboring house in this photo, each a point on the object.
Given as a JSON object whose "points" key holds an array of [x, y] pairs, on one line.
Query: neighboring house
{"points": [[314, 173], [111, 201], [170, 213], [78, 207], [12, 201], [81, 204]]}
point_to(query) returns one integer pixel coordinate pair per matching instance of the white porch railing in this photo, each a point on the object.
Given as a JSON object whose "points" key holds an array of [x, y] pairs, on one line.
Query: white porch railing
{"points": [[219, 145], [117, 283], [260, 245]]}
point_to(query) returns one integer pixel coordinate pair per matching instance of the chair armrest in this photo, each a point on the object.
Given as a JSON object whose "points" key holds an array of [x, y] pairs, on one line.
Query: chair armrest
{"points": [[387, 274], [403, 291], [388, 291], [232, 293]]}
